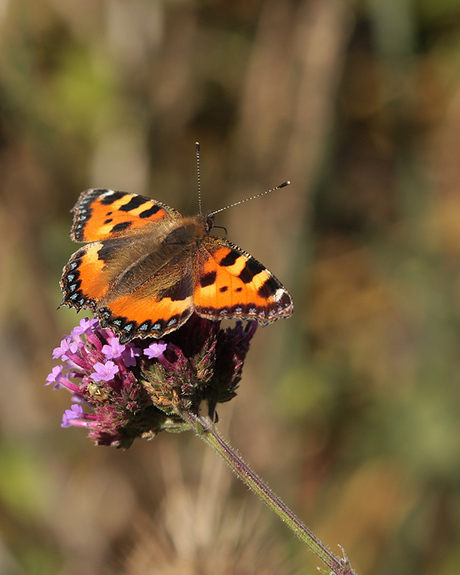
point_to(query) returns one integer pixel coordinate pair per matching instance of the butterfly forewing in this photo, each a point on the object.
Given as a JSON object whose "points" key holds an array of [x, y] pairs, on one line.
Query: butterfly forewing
{"points": [[231, 283], [101, 214]]}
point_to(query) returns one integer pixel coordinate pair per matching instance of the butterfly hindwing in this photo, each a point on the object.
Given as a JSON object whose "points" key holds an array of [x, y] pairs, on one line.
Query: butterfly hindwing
{"points": [[156, 308], [150, 308], [100, 214], [230, 283], [84, 280]]}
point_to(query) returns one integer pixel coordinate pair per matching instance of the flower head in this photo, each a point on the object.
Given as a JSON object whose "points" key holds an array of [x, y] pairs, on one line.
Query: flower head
{"points": [[103, 378], [137, 389]]}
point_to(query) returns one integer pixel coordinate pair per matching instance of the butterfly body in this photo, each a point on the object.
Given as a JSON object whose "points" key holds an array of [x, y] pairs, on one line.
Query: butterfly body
{"points": [[146, 269]]}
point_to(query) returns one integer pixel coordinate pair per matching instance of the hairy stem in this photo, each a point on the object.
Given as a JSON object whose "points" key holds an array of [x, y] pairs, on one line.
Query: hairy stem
{"points": [[206, 429]]}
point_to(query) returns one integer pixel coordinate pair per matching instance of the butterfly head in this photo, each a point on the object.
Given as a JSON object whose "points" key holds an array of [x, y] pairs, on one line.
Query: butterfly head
{"points": [[208, 222]]}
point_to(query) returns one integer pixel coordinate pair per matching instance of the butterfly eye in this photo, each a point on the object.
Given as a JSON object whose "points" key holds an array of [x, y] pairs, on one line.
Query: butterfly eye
{"points": [[209, 223]]}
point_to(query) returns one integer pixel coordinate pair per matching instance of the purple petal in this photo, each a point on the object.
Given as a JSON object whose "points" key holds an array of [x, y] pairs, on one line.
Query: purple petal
{"points": [[155, 349], [75, 412], [104, 371], [55, 375], [86, 326], [114, 349], [130, 354], [67, 345]]}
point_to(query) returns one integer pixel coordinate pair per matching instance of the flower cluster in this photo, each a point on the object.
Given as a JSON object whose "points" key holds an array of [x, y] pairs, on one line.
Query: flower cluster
{"points": [[137, 389]]}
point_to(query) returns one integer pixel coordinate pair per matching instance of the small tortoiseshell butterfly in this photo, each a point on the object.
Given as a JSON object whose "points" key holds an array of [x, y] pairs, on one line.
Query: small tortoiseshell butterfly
{"points": [[146, 269]]}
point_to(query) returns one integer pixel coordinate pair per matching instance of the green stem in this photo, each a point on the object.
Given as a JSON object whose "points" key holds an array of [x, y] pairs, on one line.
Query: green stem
{"points": [[206, 429]]}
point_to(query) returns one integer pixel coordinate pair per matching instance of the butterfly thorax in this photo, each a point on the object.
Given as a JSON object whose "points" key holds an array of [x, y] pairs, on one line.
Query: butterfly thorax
{"points": [[150, 256], [187, 232]]}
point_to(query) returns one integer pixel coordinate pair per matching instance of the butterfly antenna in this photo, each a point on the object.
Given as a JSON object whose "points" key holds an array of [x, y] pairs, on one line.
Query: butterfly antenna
{"points": [[197, 150], [283, 185]]}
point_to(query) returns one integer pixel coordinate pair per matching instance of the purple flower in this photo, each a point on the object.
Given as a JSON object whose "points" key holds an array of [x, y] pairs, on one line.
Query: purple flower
{"points": [[155, 349], [107, 386], [85, 326], [137, 389], [130, 354], [55, 375], [71, 415], [113, 349], [104, 371], [67, 345]]}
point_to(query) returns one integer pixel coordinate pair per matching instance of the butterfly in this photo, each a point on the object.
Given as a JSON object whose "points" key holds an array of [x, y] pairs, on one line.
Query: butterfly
{"points": [[145, 269]]}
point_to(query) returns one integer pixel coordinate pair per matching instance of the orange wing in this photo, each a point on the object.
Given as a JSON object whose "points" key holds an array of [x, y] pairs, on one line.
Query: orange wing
{"points": [[156, 308], [101, 214], [128, 275], [230, 283], [149, 308]]}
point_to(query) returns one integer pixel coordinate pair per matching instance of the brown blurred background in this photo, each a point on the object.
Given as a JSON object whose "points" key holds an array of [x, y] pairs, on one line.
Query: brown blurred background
{"points": [[350, 409]]}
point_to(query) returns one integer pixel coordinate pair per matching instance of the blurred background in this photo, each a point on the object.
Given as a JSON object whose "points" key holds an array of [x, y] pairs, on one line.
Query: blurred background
{"points": [[350, 409]]}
